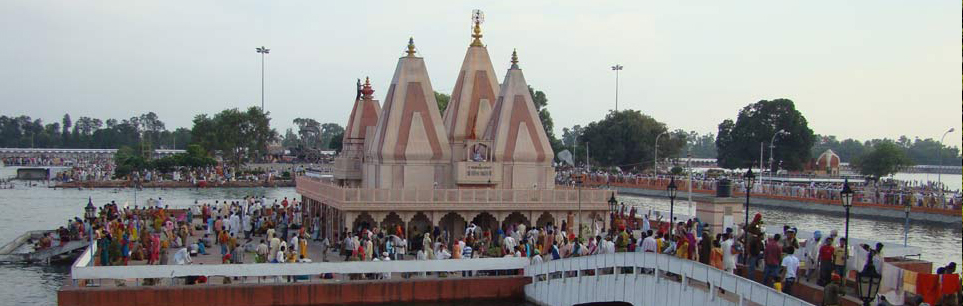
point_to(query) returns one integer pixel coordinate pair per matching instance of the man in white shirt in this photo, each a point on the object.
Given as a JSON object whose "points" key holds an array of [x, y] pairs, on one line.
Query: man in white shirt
{"points": [[182, 257], [790, 265], [728, 254], [509, 245], [649, 244]]}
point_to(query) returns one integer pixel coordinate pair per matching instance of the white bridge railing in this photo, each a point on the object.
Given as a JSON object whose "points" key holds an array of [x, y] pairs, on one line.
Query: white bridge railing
{"points": [[82, 268], [640, 279]]}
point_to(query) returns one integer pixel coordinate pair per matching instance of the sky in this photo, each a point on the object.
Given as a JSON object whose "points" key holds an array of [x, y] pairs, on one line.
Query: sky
{"points": [[856, 69]]}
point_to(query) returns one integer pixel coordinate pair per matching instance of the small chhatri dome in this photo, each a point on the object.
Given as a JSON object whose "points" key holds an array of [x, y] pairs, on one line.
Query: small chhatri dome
{"points": [[366, 90], [411, 47], [514, 59]]}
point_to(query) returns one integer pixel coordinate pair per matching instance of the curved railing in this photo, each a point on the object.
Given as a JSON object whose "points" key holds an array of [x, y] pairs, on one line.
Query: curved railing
{"points": [[644, 279]]}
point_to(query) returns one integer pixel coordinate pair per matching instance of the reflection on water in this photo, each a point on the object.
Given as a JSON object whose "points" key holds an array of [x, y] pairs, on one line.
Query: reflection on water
{"points": [[940, 244]]}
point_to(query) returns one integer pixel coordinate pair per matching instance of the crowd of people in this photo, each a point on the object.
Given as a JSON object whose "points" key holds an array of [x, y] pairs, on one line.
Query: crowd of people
{"points": [[886, 191]]}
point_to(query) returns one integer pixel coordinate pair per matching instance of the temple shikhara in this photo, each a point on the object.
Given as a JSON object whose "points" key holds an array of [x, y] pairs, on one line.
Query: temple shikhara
{"points": [[486, 160]]}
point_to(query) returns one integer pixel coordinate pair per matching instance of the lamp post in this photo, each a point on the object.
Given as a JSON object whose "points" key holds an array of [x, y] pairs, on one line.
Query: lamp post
{"points": [[672, 189], [617, 68], [749, 178], [906, 208], [90, 211], [263, 51], [868, 282], [656, 161], [613, 205], [578, 185], [772, 149], [847, 197], [939, 171]]}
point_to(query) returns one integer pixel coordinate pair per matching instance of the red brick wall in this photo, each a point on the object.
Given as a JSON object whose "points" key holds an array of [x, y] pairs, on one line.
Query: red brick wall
{"points": [[361, 292]]}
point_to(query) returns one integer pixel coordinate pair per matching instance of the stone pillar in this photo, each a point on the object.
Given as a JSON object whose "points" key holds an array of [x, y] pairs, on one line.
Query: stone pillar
{"points": [[719, 212]]}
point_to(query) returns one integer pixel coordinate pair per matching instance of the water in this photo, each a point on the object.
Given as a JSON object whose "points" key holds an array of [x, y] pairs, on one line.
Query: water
{"points": [[952, 181], [939, 244]]}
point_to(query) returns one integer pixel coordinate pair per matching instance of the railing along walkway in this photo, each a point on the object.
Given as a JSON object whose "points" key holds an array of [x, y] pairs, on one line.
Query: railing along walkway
{"points": [[644, 279]]}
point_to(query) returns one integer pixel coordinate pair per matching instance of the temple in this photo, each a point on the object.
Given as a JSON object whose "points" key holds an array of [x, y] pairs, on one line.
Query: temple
{"points": [[486, 161]]}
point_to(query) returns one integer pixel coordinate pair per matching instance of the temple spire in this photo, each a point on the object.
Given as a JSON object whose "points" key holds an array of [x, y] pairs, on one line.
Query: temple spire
{"points": [[411, 47], [514, 59], [477, 17]]}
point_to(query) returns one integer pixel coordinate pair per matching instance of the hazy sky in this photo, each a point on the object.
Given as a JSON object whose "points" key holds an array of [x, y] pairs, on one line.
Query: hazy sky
{"points": [[862, 69]]}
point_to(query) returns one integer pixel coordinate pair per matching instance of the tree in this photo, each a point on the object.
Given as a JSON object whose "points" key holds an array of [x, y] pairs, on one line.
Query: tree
{"points": [[443, 100], [238, 136], [885, 158], [541, 106], [337, 142], [625, 138], [699, 145], [328, 133], [290, 139], [737, 144]]}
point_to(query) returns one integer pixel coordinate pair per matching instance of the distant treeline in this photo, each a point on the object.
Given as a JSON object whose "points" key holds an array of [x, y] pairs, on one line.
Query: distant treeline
{"points": [[85, 132]]}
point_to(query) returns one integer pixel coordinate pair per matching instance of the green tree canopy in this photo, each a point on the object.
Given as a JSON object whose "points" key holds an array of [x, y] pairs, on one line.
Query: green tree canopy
{"points": [[238, 136], [883, 159], [626, 138], [738, 142], [442, 100]]}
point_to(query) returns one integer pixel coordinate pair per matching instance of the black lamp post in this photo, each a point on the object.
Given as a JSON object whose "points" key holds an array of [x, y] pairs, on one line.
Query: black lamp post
{"points": [[613, 204], [749, 179], [90, 211], [847, 196], [906, 208], [673, 190], [867, 282]]}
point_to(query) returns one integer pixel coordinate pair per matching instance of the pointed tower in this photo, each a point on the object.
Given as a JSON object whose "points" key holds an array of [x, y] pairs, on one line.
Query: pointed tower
{"points": [[361, 127], [410, 149], [519, 140], [470, 110]]}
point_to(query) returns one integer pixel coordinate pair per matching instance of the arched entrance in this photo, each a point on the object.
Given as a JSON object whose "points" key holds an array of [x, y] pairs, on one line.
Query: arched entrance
{"points": [[485, 222], [455, 225], [545, 219], [513, 220], [417, 228], [362, 221], [392, 223]]}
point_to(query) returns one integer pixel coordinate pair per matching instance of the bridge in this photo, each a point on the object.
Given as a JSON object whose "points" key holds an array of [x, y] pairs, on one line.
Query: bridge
{"points": [[636, 278]]}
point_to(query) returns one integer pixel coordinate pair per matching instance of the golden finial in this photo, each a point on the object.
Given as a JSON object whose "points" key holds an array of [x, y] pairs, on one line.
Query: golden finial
{"points": [[411, 47], [514, 59], [478, 17], [367, 81]]}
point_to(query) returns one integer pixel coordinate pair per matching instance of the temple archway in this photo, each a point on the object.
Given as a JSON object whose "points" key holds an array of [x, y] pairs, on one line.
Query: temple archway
{"points": [[485, 222], [545, 219], [362, 221], [392, 223], [455, 225], [514, 219], [417, 227]]}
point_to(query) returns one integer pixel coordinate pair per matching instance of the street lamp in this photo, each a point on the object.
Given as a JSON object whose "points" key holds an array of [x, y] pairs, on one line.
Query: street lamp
{"points": [[90, 211], [749, 178], [847, 196], [906, 208], [656, 161], [868, 282], [263, 51], [578, 184], [772, 149], [617, 68], [939, 171], [673, 190], [613, 204]]}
